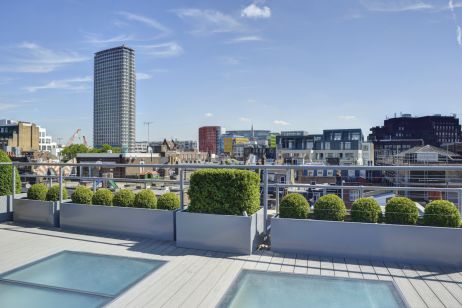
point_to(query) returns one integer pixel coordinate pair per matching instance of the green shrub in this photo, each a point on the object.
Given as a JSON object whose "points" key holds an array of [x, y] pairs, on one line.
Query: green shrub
{"points": [[366, 210], [401, 210], [224, 191], [168, 201], [37, 192], [330, 207], [146, 198], [102, 196], [53, 193], [124, 197], [82, 195], [6, 175], [442, 213], [294, 206]]}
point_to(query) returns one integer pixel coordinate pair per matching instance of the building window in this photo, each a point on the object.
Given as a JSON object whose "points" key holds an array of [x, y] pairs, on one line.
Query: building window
{"points": [[338, 136], [326, 145], [347, 145]]}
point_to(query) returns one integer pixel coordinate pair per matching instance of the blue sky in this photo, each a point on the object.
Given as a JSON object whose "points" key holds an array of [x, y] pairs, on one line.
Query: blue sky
{"points": [[281, 65]]}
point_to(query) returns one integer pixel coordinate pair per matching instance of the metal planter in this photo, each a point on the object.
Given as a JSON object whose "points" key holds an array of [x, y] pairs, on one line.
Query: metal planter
{"points": [[44, 213], [387, 242], [6, 208], [226, 233], [150, 223]]}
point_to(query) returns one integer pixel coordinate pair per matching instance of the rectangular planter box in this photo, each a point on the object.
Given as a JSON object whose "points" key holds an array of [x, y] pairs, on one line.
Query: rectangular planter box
{"points": [[6, 208], [37, 212], [151, 223], [401, 243], [227, 233]]}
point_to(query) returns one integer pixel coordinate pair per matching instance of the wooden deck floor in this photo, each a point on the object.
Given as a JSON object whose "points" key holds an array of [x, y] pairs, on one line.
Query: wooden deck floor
{"points": [[195, 278]]}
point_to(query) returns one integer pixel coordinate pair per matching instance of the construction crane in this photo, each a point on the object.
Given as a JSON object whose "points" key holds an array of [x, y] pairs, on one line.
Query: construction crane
{"points": [[71, 140], [85, 140]]}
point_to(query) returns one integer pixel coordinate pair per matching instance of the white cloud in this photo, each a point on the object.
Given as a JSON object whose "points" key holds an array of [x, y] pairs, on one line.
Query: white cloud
{"points": [[451, 7], [396, 5], [74, 84], [209, 114], [97, 39], [254, 11], [33, 58], [281, 122], [346, 117], [143, 76], [245, 39], [8, 106], [163, 50], [150, 22], [210, 21], [245, 120]]}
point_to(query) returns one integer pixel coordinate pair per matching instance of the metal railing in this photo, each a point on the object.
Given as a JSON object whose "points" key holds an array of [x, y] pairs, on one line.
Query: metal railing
{"points": [[265, 170]]}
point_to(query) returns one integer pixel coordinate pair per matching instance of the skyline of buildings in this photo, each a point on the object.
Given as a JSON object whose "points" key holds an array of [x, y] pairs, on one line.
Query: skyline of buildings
{"points": [[114, 113]]}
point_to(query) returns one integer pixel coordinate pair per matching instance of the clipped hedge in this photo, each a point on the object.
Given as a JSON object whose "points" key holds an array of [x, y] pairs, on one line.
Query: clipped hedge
{"points": [[330, 207], [53, 193], [6, 175], [168, 201], [401, 210], [146, 199], [366, 210], [442, 213], [124, 198], [82, 195], [102, 196], [294, 206], [37, 192], [224, 191]]}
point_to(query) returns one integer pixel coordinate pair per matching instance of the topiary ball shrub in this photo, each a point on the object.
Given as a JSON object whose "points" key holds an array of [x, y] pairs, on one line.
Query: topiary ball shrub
{"points": [[37, 192], [330, 207], [102, 196], [6, 175], [366, 210], [82, 195], [53, 193], [224, 191], [442, 213], [294, 206], [124, 198], [168, 201], [401, 210], [146, 199]]}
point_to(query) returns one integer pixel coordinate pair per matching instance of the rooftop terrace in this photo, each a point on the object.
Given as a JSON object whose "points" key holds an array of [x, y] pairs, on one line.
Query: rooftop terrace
{"points": [[197, 278]]}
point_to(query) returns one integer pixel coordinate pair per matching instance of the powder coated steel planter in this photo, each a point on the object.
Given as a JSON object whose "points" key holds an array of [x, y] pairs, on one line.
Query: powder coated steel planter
{"points": [[226, 233], [413, 244], [150, 223], [6, 208], [44, 213]]}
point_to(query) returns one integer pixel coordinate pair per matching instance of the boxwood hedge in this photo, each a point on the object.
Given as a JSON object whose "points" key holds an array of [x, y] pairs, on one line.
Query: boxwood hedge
{"points": [[6, 175], [442, 213], [124, 197], [366, 210], [53, 193], [224, 191], [401, 210], [330, 207], [168, 201], [102, 196], [294, 206], [37, 191], [82, 195], [146, 199]]}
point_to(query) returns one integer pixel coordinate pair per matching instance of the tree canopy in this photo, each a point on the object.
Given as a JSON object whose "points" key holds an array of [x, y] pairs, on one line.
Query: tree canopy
{"points": [[71, 151]]}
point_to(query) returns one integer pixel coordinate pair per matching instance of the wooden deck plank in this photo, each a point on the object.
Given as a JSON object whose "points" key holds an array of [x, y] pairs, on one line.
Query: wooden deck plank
{"points": [[354, 271], [367, 270], [264, 261], [440, 275], [288, 264], [276, 262], [327, 268], [340, 268], [381, 270], [301, 264], [314, 265]]}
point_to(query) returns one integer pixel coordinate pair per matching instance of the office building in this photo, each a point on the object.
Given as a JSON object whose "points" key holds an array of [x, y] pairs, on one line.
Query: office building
{"points": [[114, 98], [402, 133], [17, 137], [210, 139]]}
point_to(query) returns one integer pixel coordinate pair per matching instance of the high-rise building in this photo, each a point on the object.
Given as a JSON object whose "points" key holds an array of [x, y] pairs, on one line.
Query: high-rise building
{"points": [[114, 98], [210, 139], [18, 136]]}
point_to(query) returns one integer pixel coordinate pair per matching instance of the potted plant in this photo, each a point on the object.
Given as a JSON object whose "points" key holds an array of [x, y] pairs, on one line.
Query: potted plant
{"points": [[123, 212], [41, 206], [6, 187], [224, 212], [368, 235]]}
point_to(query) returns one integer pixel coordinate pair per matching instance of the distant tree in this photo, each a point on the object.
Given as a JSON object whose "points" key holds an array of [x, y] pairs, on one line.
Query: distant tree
{"points": [[71, 151]]}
